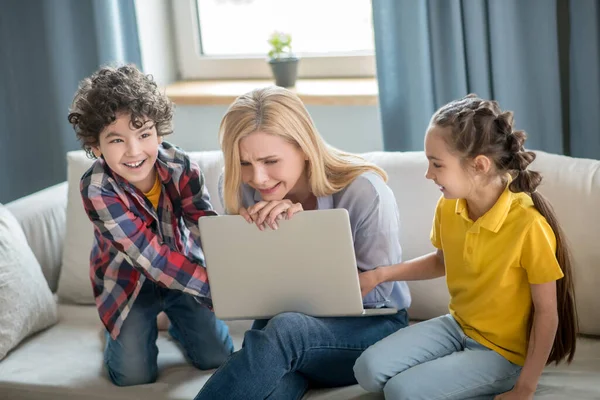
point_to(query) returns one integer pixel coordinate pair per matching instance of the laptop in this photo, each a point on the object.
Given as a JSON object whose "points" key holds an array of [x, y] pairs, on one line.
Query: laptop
{"points": [[307, 265]]}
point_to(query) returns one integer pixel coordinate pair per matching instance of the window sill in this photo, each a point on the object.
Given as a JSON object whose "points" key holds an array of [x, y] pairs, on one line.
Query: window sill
{"points": [[321, 92]]}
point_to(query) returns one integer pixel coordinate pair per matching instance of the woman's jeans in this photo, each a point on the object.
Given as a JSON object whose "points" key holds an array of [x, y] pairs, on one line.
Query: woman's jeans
{"points": [[131, 359], [434, 360], [283, 355]]}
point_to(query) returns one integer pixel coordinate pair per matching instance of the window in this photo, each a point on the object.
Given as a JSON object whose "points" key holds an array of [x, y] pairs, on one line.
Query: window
{"points": [[228, 38]]}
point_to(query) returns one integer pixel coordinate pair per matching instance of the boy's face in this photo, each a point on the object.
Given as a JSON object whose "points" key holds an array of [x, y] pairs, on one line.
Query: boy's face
{"points": [[130, 152]]}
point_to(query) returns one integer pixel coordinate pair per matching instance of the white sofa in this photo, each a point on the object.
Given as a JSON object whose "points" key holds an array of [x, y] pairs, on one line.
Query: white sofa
{"points": [[65, 361]]}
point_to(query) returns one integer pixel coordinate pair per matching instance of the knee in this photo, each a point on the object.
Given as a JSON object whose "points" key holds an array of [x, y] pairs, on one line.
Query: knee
{"points": [[211, 358], [210, 354], [368, 371], [288, 325], [400, 388], [283, 335], [133, 377]]}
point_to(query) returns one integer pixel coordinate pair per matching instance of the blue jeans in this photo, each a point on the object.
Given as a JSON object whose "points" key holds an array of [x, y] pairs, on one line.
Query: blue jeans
{"points": [[434, 360], [131, 359], [282, 356]]}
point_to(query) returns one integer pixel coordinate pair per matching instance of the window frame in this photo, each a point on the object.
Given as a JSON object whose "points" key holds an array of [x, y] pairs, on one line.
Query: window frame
{"points": [[192, 65]]}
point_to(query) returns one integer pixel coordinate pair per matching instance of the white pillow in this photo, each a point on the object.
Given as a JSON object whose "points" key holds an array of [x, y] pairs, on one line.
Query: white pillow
{"points": [[26, 303]]}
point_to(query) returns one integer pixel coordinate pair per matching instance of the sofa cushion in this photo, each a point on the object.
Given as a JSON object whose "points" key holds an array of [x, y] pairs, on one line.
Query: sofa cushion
{"points": [[65, 362], [572, 185], [416, 198], [74, 284], [51, 365], [26, 302]]}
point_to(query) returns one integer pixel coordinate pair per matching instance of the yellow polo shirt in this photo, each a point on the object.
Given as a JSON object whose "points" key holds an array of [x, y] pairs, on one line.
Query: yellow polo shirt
{"points": [[154, 194], [490, 264]]}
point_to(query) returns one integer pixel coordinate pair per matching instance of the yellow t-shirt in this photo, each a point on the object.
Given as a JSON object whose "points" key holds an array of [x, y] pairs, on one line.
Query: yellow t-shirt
{"points": [[490, 264], [154, 194]]}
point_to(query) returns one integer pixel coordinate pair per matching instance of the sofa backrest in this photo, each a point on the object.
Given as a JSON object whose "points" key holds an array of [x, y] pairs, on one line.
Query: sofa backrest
{"points": [[572, 185]]}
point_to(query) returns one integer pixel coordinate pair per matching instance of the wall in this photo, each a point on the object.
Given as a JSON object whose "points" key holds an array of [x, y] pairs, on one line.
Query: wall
{"points": [[351, 128]]}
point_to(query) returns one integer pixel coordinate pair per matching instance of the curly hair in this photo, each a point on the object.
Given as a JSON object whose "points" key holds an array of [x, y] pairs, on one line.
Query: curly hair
{"points": [[111, 91]]}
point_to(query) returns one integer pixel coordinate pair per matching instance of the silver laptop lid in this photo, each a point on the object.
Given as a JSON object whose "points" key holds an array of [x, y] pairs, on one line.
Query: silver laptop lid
{"points": [[307, 265]]}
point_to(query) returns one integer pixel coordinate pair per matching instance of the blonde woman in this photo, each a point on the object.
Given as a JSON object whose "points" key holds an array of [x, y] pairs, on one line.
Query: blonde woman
{"points": [[277, 164]]}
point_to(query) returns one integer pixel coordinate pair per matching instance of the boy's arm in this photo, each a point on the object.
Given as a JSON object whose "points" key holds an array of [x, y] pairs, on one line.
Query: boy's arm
{"points": [[130, 235], [195, 201]]}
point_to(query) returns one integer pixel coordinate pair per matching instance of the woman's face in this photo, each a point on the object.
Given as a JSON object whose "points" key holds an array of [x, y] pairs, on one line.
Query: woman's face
{"points": [[273, 166]]}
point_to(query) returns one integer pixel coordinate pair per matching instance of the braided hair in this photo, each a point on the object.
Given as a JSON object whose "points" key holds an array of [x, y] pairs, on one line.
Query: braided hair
{"points": [[480, 127]]}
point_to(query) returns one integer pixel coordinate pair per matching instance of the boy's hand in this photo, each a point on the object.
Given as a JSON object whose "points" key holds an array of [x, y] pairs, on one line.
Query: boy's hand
{"points": [[368, 280]]}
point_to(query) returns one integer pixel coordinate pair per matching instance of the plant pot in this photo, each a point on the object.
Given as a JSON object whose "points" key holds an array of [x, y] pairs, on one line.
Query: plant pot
{"points": [[285, 71]]}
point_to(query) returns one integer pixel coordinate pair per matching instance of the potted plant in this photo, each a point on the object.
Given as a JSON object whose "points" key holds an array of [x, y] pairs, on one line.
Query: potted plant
{"points": [[284, 63]]}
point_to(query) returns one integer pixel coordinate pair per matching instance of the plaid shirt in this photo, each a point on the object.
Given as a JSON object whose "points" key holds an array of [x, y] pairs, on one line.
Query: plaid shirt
{"points": [[135, 242]]}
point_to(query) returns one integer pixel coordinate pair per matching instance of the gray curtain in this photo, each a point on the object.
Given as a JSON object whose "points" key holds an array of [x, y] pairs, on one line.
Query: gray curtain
{"points": [[46, 48], [538, 58]]}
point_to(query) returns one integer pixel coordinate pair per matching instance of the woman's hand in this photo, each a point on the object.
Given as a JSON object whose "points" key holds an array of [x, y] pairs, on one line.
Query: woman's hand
{"points": [[269, 212], [368, 280], [250, 218]]}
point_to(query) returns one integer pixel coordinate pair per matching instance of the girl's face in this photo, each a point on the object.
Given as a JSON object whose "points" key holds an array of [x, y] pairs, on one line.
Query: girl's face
{"points": [[445, 168], [273, 166]]}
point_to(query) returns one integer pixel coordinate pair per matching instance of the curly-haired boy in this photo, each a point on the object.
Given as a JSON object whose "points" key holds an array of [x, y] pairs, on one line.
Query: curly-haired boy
{"points": [[144, 197]]}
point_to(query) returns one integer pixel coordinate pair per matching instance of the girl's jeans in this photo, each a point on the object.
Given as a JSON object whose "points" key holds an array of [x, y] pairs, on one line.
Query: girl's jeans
{"points": [[434, 360]]}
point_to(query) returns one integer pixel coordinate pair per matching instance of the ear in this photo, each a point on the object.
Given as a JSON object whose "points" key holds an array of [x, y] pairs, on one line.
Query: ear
{"points": [[96, 151], [482, 164], [160, 139]]}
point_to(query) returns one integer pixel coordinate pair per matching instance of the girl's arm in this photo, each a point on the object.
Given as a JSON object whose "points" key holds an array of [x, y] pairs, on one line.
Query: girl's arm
{"points": [[541, 339], [429, 266]]}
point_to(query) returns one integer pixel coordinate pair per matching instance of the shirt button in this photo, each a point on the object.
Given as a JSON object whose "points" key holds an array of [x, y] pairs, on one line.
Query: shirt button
{"points": [[469, 250]]}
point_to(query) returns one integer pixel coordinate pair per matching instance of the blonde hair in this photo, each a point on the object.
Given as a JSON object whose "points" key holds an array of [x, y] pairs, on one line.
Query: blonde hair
{"points": [[278, 111]]}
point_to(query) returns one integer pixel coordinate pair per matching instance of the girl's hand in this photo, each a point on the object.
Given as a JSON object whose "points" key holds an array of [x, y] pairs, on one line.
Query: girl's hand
{"points": [[515, 394], [368, 280], [268, 212]]}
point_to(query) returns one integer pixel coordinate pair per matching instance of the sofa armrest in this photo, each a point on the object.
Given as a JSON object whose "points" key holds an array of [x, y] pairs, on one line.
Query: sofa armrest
{"points": [[42, 216]]}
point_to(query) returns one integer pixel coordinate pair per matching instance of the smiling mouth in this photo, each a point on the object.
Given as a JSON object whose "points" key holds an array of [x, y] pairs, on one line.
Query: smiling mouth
{"points": [[134, 165]]}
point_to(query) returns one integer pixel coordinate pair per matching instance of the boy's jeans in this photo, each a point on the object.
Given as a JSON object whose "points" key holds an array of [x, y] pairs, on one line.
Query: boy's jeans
{"points": [[282, 355], [434, 360], [131, 359]]}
